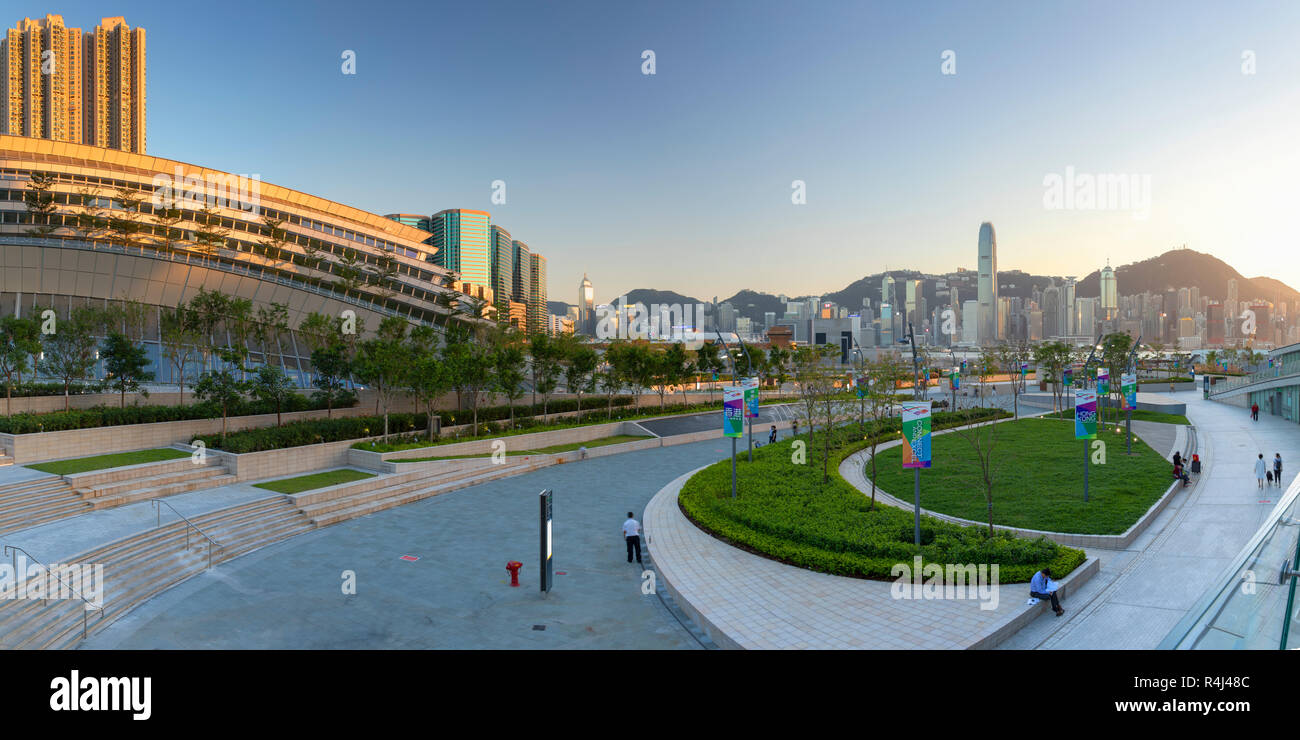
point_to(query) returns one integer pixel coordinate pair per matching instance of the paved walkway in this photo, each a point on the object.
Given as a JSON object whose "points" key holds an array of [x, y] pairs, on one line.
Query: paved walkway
{"points": [[1142, 592], [456, 595]]}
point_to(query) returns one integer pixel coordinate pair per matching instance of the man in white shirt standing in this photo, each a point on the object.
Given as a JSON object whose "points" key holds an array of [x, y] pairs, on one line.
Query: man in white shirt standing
{"points": [[632, 533]]}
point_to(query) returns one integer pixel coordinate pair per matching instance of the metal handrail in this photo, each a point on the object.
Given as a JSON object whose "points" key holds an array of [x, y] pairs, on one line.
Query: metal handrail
{"points": [[13, 550], [190, 524]]}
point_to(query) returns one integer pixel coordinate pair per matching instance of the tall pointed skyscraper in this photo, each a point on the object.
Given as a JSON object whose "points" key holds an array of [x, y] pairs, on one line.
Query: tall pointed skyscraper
{"points": [[586, 308], [987, 287]]}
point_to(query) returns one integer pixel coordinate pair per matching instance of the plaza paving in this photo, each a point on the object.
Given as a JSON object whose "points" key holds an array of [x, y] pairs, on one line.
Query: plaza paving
{"points": [[456, 595]]}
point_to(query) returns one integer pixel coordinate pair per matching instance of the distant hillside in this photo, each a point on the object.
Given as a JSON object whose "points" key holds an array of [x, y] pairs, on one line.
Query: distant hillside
{"points": [[650, 296], [753, 304], [1187, 268]]}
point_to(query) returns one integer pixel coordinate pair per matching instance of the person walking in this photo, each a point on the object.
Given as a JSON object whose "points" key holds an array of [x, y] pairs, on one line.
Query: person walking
{"points": [[1260, 469], [794, 428], [771, 437], [1277, 468], [632, 533], [1254, 413]]}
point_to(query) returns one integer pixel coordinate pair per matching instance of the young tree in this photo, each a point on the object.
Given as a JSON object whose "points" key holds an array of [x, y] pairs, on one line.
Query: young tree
{"points": [[19, 340], [883, 376], [579, 373], [275, 239], [707, 363], [271, 385], [38, 197], [427, 378], [269, 323], [209, 309], [239, 325], [70, 349], [1115, 349], [610, 379], [124, 365], [92, 221], [667, 368], [180, 340], [168, 219], [209, 234], [508, 362], [817, 388], [1009, 357], [382, 361], [331, 366], [469, 364], [124, 222], [982, 437], [547, 356], [221, 387]]}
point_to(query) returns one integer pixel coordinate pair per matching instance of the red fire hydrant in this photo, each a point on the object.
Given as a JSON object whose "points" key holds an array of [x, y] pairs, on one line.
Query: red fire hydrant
{"points": [[513, 566]]}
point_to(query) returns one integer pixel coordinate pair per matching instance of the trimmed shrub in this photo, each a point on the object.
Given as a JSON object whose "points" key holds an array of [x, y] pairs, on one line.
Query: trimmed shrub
{"points": [[107, 416]]}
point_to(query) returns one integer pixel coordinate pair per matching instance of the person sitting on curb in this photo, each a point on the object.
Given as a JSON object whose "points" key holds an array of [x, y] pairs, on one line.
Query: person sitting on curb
{"points": [[1041, 587]]}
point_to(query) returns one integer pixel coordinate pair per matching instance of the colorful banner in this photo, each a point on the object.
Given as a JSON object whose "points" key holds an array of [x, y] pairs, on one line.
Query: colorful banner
{"points": [[1103, 381], [1128, 385], [862, 387], [1069, 377], [1024, 369], [733, 411], [751, 397], [1085, 414], [954, 380], [916, 435], [963, 366]]}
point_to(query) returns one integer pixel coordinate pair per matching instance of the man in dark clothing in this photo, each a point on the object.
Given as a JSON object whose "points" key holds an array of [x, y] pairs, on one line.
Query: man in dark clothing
{"points": [[1277, 468], [1254, 411], [771, 437], [632, 533]]}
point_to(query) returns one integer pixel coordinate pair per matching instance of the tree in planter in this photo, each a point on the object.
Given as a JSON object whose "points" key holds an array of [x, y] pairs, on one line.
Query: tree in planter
{"points": [[610, 379], [209, 234], [180, 340], [668, 367], [883, 376], [92, 221], [70, 349], [124, 222], [817, 391], [580, 372], [331, 366], [382, 361], [1114, 357], [271, 385], [209, 311], [124, 365], [221, 387], [19, 340], [267, 326], [469, 366], [508, 363], [427, 379], [547, 357], [983, 437], [39, 200], [168, 219]]}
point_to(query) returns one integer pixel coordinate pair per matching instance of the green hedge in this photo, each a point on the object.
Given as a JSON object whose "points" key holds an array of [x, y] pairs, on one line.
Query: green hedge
{"points": [[107, 416], [786, 512], [27, 390], [313, 431]]}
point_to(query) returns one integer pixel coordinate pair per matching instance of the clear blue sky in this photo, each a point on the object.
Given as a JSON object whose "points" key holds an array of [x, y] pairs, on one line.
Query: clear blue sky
{"points": [[682, 180]]}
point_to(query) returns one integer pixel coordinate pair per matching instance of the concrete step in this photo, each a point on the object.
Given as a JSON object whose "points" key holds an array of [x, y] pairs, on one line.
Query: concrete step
{"points": [[5, 460], [117, 488], [368, 504], [32, 487], [163, 491]]}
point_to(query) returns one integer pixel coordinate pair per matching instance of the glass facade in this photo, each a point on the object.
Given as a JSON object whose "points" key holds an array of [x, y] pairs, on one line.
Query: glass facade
{"points": [[462, 239]]}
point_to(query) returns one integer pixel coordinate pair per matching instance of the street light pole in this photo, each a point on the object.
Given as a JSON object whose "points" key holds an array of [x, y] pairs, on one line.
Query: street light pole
{"points": [[742, 400]]}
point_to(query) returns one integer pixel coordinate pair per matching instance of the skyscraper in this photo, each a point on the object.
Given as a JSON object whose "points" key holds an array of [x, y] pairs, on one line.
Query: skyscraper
{"points": [[503, 269], [887, 290], [586, 308], [1051, 308], [1109, 293], [61, 84], [987, 287], [1067, 307], [538, 313], [461, 237], [523, 270]]}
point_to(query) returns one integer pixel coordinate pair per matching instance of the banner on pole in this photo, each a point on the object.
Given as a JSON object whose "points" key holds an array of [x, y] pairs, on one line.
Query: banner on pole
{"points": [[1069, 376], [1103, 381], [1085, 414], [751, 397], [861, 384], [1128, 385], [733, 411], [916, 435], [1024, 369], [955, 380]]}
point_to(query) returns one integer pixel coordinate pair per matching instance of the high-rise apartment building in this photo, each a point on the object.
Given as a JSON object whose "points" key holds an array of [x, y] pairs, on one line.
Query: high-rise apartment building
{"points": [[987, 287], [61, 84], [462, 239], [538, 312]]}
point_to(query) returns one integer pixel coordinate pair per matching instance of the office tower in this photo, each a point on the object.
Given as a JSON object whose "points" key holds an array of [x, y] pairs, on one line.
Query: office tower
{"points": [[887, 290], [915, 313], [1085, 317], [88, 89], [1003, 317], [1184, 303], [987, 291], [769, 319], [410, 219], [1196, 299], [1051, 309], [1066, 324], [970, 333], [1109, 293], [462, 238], [502, 252], [1230, 308], [523, 270], [586, 308], [537, 310], [886, 325], [726, 317]]}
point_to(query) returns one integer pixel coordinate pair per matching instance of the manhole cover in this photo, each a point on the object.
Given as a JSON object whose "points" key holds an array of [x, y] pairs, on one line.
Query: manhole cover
{"points": [[539, 627]]}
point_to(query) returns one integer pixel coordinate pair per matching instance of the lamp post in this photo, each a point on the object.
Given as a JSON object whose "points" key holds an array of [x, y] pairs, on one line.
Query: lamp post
{"points": [[857, 382], [733, 385]]}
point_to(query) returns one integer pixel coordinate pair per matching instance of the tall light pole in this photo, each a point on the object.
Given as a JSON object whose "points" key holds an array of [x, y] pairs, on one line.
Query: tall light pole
{"points": [[733, 385], [857, 382], [1132, 368]]}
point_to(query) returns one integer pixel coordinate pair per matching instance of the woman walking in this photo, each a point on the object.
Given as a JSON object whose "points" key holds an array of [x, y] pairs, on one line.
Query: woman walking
{"points": [[1261, 468]]}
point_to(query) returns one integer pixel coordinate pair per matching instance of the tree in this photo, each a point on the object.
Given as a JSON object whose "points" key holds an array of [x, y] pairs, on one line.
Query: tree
{"points": [[817, 389], [209, 234], [883, 376], [427, 377], [222, 387], [667, 368], [168, 219], [70, 349], [267, 326], [209, 311], [469, 364], [707, 363], [547, 356], [39, 200], [1009, 356], [381, 361], [982, 438], [610, 379], [331, 366], [92, 222], [508, 375], [271, 385], [1115, 349], [778, 363], [19, 340], [124, 223], [124, 365], [276, 238], [1052, 358], [239, 325], [579, 373], [180, 340]]}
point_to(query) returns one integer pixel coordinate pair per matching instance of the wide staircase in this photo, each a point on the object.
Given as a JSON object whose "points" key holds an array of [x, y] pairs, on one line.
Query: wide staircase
{"points": [[348, 501], [146, 563], [120, 486], [38, 501]]}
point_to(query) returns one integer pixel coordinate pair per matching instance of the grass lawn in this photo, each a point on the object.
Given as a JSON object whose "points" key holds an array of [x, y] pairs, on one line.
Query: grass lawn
{"points": [[313, 481], [1038, 479], [115, 460], [601, 442], [1138, 415]]}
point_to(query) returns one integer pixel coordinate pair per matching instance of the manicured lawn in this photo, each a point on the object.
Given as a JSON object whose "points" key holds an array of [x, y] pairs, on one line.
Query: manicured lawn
{"points": [[601, 442], [1138, 415], [784, 511], [313, 481], [1038, 479], [114, 460]]}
